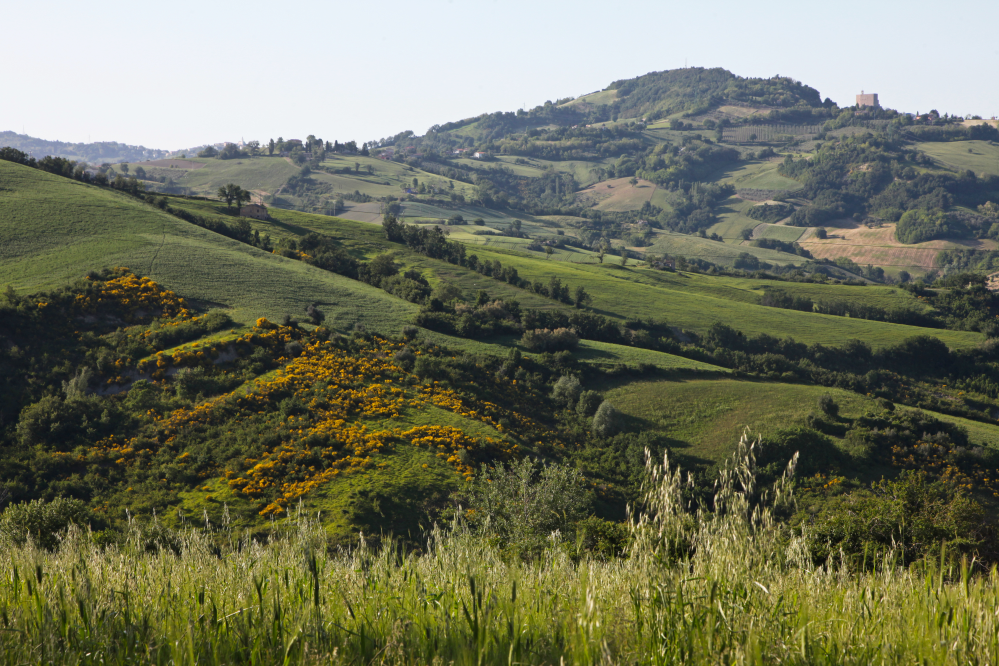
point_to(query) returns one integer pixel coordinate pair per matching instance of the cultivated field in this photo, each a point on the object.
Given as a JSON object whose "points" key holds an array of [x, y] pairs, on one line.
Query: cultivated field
{"points": [[617, 195], [759, 175], [880, 248], [778, 232], [723, 254]]}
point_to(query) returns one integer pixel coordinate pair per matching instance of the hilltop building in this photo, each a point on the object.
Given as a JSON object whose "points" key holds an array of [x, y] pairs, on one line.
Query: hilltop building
{"points": [[870, 99], [254, 210]]}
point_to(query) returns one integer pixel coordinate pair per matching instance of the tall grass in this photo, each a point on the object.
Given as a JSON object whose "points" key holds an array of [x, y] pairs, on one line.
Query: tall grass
{"points": [[731, 585]]}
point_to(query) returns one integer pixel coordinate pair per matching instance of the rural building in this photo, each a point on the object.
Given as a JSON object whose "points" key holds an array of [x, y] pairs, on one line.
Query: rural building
{"points": [[870, 99], [479, 155], [256, 211]]}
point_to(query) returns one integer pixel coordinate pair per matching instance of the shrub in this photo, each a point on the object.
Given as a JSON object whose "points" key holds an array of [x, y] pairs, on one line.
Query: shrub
{"points": [[404, 358], [79, 385], [216, 320], [828, 406], [42, 521], [546, 340], [410, 332], [567, 390], [606, 421], [527, 503], [588, 403]]}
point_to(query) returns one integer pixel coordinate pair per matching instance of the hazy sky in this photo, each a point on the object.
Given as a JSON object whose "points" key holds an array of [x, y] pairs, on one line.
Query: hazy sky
{"points": [[182, 73]]}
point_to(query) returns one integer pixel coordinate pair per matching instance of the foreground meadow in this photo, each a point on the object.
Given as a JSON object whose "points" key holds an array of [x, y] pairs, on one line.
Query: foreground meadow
{"points": [[733, 586]]}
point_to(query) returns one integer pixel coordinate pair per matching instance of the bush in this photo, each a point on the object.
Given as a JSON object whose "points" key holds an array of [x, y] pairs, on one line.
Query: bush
{"points": [[410, 332], [526, 503], [404, 358], [606, 421], [545, 340], [42, 521], [828, 406], [588, 403], [216, 320], [567, 390]]}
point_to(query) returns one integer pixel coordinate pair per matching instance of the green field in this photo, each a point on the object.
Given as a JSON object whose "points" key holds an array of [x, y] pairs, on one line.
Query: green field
{"points": [[982, 157], [722, 254], [709, 415], [732, 220], [689, 301], [267, 174], [778, 232], [755, 176], [88, 228]]}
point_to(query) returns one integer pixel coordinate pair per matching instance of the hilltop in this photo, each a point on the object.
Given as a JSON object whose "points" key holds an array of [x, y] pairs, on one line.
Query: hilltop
{"points": [[95, 153]]}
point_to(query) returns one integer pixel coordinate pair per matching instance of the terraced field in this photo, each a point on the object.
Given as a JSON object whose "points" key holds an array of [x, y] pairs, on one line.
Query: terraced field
{"points": [[879, 247]]}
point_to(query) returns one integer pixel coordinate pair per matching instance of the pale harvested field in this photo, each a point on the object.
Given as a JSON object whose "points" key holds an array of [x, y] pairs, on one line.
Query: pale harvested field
{"points": [[171, 164], [878, 247], [617, 195]]}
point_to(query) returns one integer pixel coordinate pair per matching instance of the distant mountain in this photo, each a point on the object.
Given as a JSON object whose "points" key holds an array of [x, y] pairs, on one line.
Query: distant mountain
{"points": [[95, 153]]}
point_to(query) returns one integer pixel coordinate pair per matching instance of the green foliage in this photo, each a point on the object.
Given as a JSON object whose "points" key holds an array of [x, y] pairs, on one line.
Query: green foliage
{"points": [[546, 340], [910, 517], [920, 225], [606, 420], [567, 390], [42, 522], [588, 403], [828, 406], [527, 504]]}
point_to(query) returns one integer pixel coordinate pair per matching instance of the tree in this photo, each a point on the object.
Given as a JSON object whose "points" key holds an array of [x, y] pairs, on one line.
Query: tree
{"points": [[315, 315], [253, 147], [821, 233], [588, 403], [232, 193], [371, 170], [528, 502], [242, 196], [270, 147], [566, 390], [828, 406], [600, 255], [357, 167], [607, 420], [124, 168], [581, 297], [548, 251]]}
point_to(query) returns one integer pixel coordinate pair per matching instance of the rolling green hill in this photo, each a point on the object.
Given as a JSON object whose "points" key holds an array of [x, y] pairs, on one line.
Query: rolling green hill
{"points": [[54, 230]]}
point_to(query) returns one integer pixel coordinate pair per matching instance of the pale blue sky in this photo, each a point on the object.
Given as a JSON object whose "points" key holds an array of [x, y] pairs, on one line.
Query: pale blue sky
{"points": [[177, 74]]}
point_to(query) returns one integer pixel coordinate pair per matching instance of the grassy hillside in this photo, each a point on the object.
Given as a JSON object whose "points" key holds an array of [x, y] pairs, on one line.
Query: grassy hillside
{"points": [[54, 230], [689, 301], [982, 157]]}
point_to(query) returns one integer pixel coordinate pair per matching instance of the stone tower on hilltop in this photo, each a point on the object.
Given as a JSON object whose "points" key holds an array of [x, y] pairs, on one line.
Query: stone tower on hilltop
{"points": [[870, 99]]}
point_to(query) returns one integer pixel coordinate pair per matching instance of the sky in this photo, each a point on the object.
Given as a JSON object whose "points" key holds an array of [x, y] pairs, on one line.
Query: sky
{"points": [[185, 73]]}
